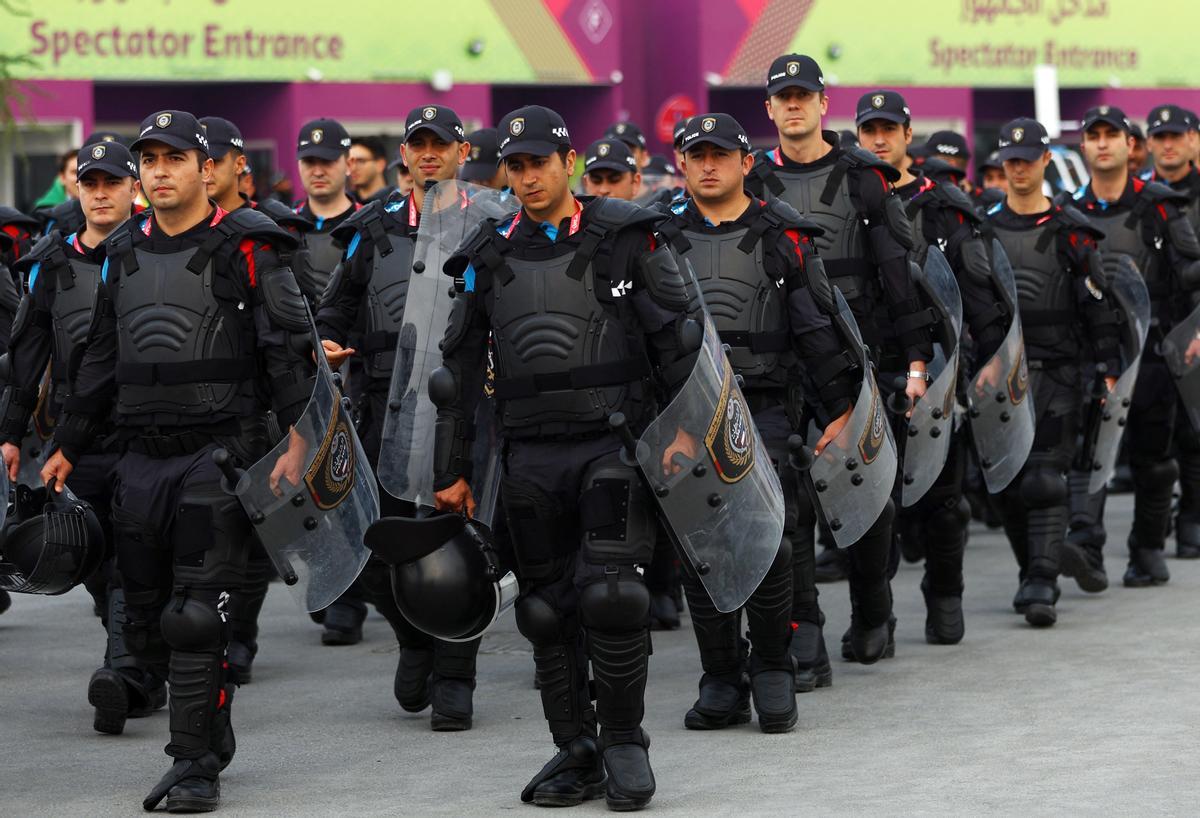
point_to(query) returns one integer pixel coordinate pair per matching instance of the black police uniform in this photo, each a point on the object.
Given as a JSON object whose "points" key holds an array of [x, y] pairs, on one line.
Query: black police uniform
{"points": [[864, 247], [1148, 224], [771, 302], [1060, 278], [367, 290], [935, 527], [188, 334], [16, 237], [63, 277], [586, 318]]}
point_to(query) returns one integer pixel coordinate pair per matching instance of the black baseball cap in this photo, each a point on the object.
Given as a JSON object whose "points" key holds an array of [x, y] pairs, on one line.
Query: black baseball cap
{"points": [[111, 157], [179, 129], [324, 139], [992, 160], [437, 118], [103, 136], [799, 70], [679, 130], [609, 154], [941, 171], [534, 129], [1106, 113], [721, 130], [223, 136], [1135, 130], [1023, 138], [1168, 119], [947, 143], [887, 105], [628, 133], [659, 166], [1193, 119], [484, 156]]}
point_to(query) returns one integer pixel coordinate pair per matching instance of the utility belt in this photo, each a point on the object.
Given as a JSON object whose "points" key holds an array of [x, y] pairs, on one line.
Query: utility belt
{"points": [[176, 441]]}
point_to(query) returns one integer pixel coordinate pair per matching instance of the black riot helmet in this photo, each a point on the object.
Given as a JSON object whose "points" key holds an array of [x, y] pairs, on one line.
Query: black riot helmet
{"points": [[50, 542], [446, 575]]}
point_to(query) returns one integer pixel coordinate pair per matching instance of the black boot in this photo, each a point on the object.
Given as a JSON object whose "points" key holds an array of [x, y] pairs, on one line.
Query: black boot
{"points": [[627, 763], [1147, 567], [574, 775], [411, 686], [244, 607], [773, 688], [871, 591], [1084, 563], [723, 702], [453, 685], [886, 633], [1153, 483], [124, 687], [1187, 538], [943, 616], [832, 565], [813, 668], [1041, 595], [5, 601], [343, 622], [191, 785]]}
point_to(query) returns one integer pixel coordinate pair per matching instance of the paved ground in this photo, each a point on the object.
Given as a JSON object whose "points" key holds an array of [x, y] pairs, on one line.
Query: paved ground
{"points": [[1096, 716]]}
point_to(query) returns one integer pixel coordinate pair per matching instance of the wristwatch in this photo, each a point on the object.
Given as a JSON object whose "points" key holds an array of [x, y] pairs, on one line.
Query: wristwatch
{"points": [[920, 375]]}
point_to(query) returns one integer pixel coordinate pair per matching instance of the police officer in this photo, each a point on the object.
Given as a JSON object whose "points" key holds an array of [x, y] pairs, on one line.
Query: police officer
{"points": [[66, 216], [364, 291], [950, 147], [483, 166], [1060, 278], [63, 274], [367, 163], [1169, 132], [935, 528], [16, 237], [760, 256], [193, 306], [1146, 222], [608, 306], [864, 247], [631, 135], [1138, 150], [610, 169]]}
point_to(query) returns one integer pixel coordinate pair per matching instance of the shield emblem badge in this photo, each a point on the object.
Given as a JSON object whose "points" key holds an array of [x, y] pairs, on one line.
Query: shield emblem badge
{"points": [[163, 120], [517, 126], [603, 149], [877, 101], [708, 124], [1018, 134], [429, 113], [98, 152], [793, 68], [317, 135]]}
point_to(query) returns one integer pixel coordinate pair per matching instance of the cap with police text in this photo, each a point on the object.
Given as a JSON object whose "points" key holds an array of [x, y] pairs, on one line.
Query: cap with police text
{"points": [[609, 154], [533, 129], [110, 157], [323, 139], [484, 156], [1168, 119], [1108, 114], [223, 136], [178, 129], [437, 118], [721, 130], [1023, 138], [992, 160], [947, 143], [628, 133], [798, 70], [887, 105]]}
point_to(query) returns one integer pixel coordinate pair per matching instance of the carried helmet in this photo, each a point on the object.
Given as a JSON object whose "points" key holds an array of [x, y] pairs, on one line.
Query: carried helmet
{"points": [[50, 541]]}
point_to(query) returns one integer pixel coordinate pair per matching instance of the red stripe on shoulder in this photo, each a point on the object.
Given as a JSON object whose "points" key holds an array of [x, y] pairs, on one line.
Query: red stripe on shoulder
{"points": [[247, 249], [796, 239]]}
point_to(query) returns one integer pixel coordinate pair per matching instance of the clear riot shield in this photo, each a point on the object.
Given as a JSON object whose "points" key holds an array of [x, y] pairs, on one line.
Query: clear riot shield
{"points": [[930, 428], [853, 477], [312, 498], [451, 210], [1133, 302], [998, 401], [1181, 349], [715, 485]]}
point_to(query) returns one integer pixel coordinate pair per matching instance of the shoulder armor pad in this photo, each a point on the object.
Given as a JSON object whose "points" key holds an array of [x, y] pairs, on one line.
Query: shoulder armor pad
{"points": [[357, 222], [66, 216], [1073, 218], [284, 216], [617, 214], [10, 215], [41, 252], [1158, 192], [247, 222], [480, 236], [859, 158], [791, 219], [953, 197]]}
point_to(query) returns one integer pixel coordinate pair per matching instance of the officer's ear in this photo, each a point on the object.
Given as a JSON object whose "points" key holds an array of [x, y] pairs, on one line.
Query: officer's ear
{"points": [[908, 134], [637, 183], [464, 150], [569, 161], [206, 169], [824, 103], [404, 154], [1045, 159], [747, 162], [239, 164]]}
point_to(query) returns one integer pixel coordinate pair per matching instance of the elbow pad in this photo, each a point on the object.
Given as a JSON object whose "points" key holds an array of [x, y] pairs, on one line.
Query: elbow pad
{"points": [[1183, 238], [16, 405], [283, 300], [460, 321], [818, 284], [1189, 276], [451, 449], [897, 222], [662, 279]]}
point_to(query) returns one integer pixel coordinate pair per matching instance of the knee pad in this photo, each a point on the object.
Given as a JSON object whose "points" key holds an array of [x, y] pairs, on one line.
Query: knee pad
{"points": [[1043, 486], [949, 518], [618, 602], [1158, 475], [616, 516], [192, 624], [539, 622], [541, 530]]}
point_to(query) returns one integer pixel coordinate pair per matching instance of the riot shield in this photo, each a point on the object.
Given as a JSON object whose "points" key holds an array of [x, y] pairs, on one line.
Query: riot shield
{"points": [[312, 497], [998, 401], [1133, 302], [41, 428], [930, 427], [451, 210], [716, 488], [1181, 349], [853, 477]]}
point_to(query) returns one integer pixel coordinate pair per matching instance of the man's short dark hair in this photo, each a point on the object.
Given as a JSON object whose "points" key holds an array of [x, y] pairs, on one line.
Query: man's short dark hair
{"points": [[562, 152], [373, 144], [65, 159]]}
